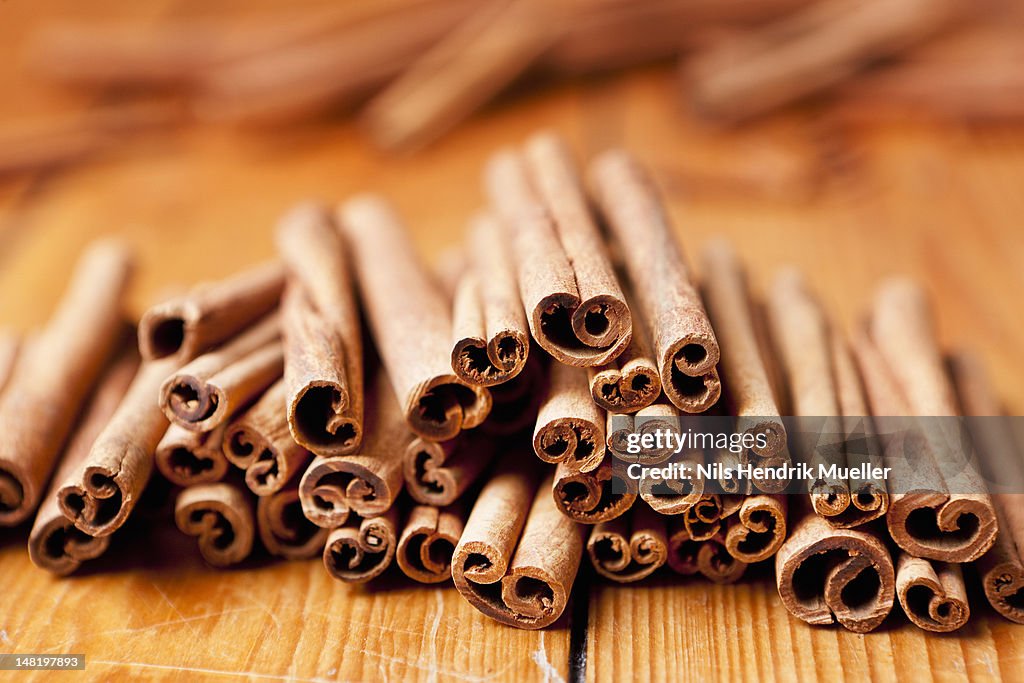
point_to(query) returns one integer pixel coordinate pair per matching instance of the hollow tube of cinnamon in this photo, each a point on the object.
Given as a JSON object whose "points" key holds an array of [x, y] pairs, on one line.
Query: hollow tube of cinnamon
{"points": [[674, 496], [361, 550], [703, 519], [220, 515], [210, 313], [932, 594], [758, 529], [54, 543], [410, 322], [657, 416], [52, 378], [259, 442], [204, 393], [100, 494], [631, 381], [438, 473], [629, 548], [282, 527], [491, 340], [185, 457], [529, 549], [428, 541], [570, 426], [591, 497], [323, 341], [577, 311], [684, 342]]}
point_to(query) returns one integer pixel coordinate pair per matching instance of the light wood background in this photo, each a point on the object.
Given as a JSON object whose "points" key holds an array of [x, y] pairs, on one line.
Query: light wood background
{"points": [[847, 204]]}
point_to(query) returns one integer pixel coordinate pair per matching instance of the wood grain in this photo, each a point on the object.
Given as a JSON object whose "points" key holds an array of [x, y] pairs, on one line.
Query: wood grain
{"points": [[846, 205]]}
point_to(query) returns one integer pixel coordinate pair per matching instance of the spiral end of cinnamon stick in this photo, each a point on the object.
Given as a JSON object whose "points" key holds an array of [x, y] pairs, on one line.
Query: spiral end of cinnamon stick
{"points": [[627, 390], [283, 528], [759, 529], [16, 495], [359, 554], [590, 497], [60, 548], [428, 542], [932, 595], [166, 330], [488, 363], [573, 441], [444, 406], [333, 488], [936, 526], [626, 559], [582, 333], [99, 505], [1004, 587], [690, 390], [320, 419], [220, 516], [186, 458], [191, 403]]}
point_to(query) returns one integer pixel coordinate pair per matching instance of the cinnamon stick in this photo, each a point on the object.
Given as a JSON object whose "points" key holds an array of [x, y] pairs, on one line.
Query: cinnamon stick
{"points": [[52, 378], [826, 575], [210, 313], [758, 529], [932, 594], [684, 342], [577, 311], [682, 550], [323, 341], [259, 443], [704, 518], [410, 322], [591, 497], [709, 557], [9, 345], [220, 515], [367, 483], [205, 392], [54, 543], [935, 523], [530, 549], [631, 381], [675, 496], [438, 473], [428, 541], [629, 548], [99, 495], [570, 426], [185, 457], [491, 338], [655, 417], [362, 549], [283, 528]]}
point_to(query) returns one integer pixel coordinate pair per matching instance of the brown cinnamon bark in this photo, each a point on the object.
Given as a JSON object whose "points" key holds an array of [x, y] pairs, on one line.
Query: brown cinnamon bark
{"points": [[283, 528], [717, 564], [438, 473], [758, 529], [220, 515], [186, 458], [631, 381], [939, 524], [657, 416], [363, 548], [826, 575], [684, 342], [9, 345], [410, 321], [682, 550], [703, 519], [932, 594], [259, 443], [675, 496], [203, 394], [490, 332], [367, 483], [428, 541], [101, 493], [210, 313], [528, 548], [323, 342], [54, 543], [577, 311], [751, 397], [515, 404], [629, 548], [52, 378], [588, 497], [570, 427]]}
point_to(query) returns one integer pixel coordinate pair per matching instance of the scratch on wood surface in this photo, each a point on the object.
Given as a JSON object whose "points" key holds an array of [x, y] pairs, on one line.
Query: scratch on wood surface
{"points": [[413, 664], [432, 640], [175, 609], [212, 672], [540, 658]]}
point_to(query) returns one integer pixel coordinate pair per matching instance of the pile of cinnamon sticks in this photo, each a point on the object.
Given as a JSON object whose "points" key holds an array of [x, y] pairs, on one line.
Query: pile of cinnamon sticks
{"points": [[346, 402]]}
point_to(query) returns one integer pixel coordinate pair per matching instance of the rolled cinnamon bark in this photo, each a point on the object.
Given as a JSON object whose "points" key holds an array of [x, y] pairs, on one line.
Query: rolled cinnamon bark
{"points": [[629, 548], [283, 528], [682, 550], [54, 543], [9, 344], [490, 332], [577, 311], [323, 345], [826, 575], [362, 549], [657, 416], [530, 549], [367, 483], [260, 443], [210, 313], [675, 496], [100, 494], [220, 515], [717, 564], [758, 529], [703, 519], [939, 524], [932, 594], [52, 378], [203, 394], [428, 541], [751, 397], [631, 381], [591, 497], [186, 458], [570, 427], [684, 343], [410, 321], [438, 473]]}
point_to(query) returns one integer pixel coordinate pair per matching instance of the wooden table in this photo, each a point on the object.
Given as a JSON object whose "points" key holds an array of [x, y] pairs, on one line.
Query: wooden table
{"points": [[848, 205]]}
